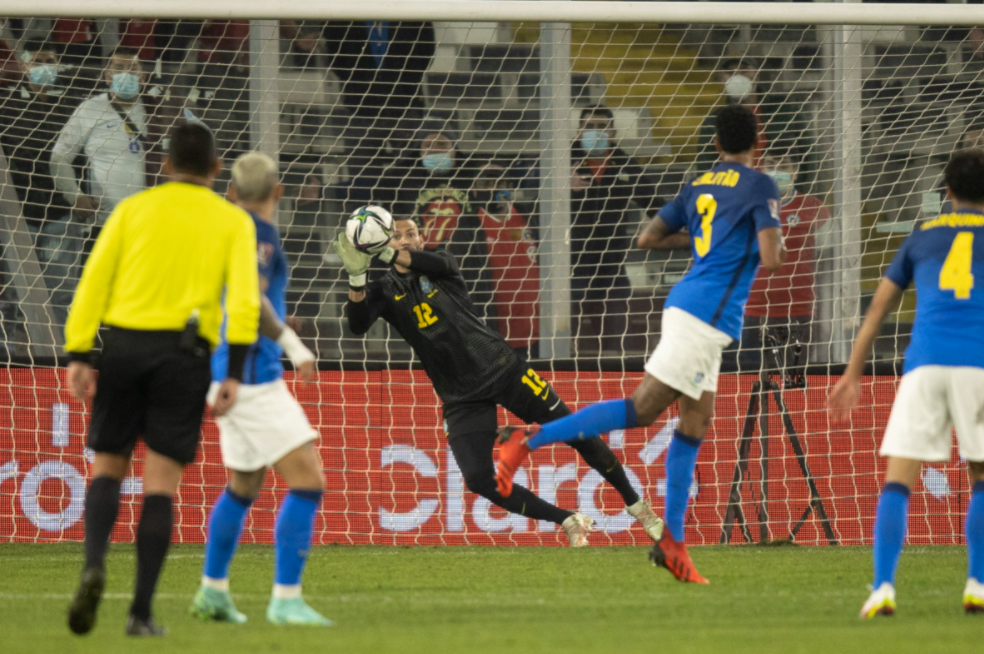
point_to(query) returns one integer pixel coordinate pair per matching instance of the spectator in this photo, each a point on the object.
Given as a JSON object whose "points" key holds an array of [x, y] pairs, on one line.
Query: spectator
{"points": [[740, 79], [604, 181], [77, 39], [781, 303], [503, 239], [158, 39], [381, 66], [110, 129], [32, 114]]}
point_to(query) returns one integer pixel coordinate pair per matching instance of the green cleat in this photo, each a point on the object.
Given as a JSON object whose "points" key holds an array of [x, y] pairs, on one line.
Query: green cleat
{"points": [[216, 605], [295, 611]]}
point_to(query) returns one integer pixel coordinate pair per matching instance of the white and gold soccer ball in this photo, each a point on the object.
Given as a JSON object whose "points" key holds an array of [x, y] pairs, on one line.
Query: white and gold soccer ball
{"points": [[369, 227]]}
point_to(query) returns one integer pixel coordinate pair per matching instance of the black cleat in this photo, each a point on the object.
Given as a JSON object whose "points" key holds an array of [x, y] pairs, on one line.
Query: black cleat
{"points": [[82, 612], [137, 627]]}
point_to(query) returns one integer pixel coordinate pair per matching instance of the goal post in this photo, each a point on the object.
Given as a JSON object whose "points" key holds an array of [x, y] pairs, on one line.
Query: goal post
{"points": [[533, 140]]}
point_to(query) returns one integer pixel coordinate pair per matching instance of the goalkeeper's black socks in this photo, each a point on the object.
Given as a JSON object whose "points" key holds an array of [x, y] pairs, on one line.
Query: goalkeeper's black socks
{"points": [[599, 456], [153, 541], [102, 503]]}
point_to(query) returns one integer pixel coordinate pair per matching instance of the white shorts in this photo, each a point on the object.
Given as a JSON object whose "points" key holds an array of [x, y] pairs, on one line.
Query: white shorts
{"points": [[932, 400], [688, 355], [264, 425]]}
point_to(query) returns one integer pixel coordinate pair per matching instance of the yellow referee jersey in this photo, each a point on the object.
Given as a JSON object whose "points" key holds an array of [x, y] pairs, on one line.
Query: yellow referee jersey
{"points": [[162, 254]]}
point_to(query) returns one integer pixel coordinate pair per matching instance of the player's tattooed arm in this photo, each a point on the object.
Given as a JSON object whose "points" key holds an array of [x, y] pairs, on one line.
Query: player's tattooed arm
{"points": [[657, 235]]}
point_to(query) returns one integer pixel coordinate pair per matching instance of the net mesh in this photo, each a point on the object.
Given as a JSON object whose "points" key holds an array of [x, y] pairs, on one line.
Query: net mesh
{"points": [[434, 121]]}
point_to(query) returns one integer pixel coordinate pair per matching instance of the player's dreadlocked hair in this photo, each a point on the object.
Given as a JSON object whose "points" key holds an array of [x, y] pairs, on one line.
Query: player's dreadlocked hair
{"points": [[737, 128], [964, 175]]}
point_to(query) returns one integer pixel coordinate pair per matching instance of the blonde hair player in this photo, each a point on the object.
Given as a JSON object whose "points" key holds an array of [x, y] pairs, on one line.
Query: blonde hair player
{"points": [[267, 428]]}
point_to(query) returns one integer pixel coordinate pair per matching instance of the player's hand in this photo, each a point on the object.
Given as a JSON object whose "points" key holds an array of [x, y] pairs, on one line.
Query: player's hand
{"points": [[307, 372], [579, 182], [843, 398], [84, 207], [356, 263], [81, 381], [226, 397]]}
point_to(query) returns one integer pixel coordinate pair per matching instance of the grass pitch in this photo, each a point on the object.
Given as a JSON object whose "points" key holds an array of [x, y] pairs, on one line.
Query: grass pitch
{"points": [[472, 600]]}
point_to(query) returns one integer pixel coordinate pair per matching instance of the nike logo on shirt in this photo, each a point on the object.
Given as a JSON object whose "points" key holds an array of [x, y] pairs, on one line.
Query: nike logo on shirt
{"points": [[399, 297]]}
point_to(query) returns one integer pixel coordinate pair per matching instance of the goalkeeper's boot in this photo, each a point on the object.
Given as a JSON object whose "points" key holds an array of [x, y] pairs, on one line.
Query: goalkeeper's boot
{"points": [[673, 556], [512, 453], [651, 522], [217, 605], [82, 612], [577, 526], [295, 611], [973, 598], [143, 628], [880, 602]]}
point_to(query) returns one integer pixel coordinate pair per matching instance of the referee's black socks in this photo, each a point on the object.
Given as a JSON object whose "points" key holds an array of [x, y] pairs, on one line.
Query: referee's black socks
{"points": [[102, 503], [153, 541]]}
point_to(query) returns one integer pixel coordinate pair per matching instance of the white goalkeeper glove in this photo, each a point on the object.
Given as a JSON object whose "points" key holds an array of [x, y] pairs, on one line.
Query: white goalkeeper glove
{"points": [[356, 263], [383, 252], [296, 351]]}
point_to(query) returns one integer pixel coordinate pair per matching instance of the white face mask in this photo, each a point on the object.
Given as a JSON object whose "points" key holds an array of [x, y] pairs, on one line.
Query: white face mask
{"points": [[738, 87]]}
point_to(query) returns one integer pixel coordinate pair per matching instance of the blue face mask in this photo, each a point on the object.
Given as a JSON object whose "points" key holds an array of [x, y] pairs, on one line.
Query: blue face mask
{"points": [[125, 86], [594, 141], [43, 75], [439, 162], [783, 180]]}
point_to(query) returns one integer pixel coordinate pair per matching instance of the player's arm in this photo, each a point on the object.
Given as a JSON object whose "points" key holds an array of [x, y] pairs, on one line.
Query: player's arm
{"points": [[845, 395], [434, 264], [242, 297], [772, 248], [364, 308], [657, 235]]}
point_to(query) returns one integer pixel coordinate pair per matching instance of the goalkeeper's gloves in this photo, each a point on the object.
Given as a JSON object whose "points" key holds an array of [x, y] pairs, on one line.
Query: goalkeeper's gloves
{"points": [[296, 351], [356, 263], [383, 252]]}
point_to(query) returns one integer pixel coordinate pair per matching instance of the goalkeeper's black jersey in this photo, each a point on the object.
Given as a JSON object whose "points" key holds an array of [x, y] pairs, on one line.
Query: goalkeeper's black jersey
{"points": [[430, 307]]}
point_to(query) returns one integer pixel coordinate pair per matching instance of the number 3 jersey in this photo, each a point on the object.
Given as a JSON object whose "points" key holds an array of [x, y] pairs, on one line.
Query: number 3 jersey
{"points": [[432, 311], [943, 257], [723, 210]]}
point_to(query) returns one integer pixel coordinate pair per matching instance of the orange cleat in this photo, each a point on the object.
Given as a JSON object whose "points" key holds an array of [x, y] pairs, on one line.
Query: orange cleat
{"points": [[512, 453], [673, 556]]}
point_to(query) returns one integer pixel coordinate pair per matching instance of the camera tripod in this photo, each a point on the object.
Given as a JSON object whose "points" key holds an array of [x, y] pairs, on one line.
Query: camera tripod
{"points": [[774, 365]]}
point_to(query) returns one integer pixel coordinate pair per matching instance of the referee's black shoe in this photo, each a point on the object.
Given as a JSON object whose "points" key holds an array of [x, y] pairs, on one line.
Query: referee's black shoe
{"points": [[82, 612], [137, 627]]}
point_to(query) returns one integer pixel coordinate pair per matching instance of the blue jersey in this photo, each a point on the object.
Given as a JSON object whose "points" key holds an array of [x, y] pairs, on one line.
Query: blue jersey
{"points": [[263, 361], [944, 256], [723, 210]]}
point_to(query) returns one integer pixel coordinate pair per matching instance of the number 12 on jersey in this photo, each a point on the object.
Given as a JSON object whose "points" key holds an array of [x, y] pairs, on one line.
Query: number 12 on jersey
{"points": [[706, 207], [425, 315], [956, 273]]}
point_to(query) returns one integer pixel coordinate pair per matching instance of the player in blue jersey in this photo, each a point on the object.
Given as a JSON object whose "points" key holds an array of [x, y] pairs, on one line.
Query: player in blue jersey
{"points": [[943, 377], [731, 218], [266, 428]]}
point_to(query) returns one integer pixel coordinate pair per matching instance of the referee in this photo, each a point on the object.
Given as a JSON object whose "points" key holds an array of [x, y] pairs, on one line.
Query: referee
{"points": [[156, 279]]}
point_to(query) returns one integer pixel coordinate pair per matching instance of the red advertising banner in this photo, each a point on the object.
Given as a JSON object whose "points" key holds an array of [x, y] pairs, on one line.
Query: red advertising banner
{"points": [[391, 479]]}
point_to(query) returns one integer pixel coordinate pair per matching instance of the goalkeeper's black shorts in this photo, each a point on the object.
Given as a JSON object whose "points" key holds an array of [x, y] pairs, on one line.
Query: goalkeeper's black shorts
{"points": [[149, 387]]}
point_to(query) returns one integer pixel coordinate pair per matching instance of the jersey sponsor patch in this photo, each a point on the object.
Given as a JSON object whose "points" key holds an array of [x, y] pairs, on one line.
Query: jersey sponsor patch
{"points": [[264, 252], [774, 208], [426, 285]]}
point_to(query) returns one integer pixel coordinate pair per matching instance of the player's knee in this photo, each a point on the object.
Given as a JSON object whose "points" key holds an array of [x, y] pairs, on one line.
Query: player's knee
{"points": [[482, 483], [596, 453]]}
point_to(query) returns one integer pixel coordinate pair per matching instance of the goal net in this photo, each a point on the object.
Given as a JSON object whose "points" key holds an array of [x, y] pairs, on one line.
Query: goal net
{"points": [[535, 152]]}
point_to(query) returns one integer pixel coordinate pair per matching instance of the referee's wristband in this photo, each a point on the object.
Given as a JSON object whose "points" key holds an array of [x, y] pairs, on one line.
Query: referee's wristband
{"points": [[237, 361]]}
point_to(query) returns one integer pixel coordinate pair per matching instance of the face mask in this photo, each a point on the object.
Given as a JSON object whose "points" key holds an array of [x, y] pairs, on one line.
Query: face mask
{"points": [[738, 87], [594, 141], [439, 162], [125, 86], [783, 180], [43, 75]]}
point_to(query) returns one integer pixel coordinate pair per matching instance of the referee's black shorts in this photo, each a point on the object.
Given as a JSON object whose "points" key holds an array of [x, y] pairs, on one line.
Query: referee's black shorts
{"points": [[522, 391], [149, 387]]}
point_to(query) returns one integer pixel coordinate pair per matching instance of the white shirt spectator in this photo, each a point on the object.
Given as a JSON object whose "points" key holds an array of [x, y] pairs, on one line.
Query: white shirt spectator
{"points": [[116, 157]]}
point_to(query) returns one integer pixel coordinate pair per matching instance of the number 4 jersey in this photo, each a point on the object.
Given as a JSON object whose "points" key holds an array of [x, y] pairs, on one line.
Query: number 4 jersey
{"points": [[723, 210], [462, 355], [943, 256]]}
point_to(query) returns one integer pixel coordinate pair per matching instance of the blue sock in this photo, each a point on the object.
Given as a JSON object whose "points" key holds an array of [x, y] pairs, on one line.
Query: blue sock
{"points": [[974, 533], [293, 533], [681, 459], [225, 526], [891, 521], [589, 422]]}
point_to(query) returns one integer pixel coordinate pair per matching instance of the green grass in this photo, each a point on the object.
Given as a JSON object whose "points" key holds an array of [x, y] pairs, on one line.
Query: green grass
{"points": [[511, 600]]}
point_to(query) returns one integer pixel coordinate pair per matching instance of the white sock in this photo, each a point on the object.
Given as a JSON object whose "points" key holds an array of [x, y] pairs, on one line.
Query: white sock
{"points": [[286, 591], [217, 584]]}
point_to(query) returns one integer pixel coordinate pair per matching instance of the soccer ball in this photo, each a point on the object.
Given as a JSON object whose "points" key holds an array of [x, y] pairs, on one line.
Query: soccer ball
{"points": [[369, 227]]}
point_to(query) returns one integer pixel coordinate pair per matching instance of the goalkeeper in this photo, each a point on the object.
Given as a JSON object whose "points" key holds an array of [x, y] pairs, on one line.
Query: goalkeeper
{"points": [[424, 297], [265, 428]]}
